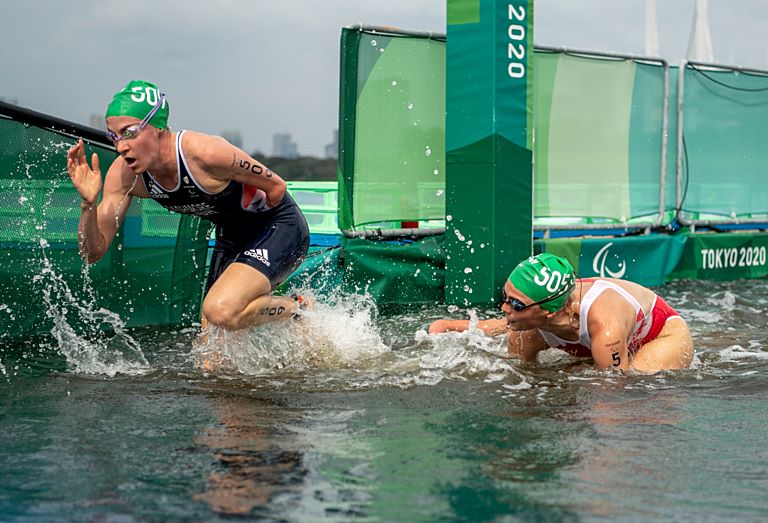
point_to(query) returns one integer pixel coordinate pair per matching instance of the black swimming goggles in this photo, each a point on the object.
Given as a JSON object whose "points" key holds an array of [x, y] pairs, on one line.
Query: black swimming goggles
{"points": [[518, 306]]}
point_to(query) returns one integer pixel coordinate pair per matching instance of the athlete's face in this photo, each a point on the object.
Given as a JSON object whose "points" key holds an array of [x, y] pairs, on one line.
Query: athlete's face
{"points": [[135, 144], [530, 316]]}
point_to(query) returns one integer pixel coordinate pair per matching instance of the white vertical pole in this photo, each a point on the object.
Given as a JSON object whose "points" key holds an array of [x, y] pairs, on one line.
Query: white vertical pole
{"points": [[700, 40], [651, 47]]}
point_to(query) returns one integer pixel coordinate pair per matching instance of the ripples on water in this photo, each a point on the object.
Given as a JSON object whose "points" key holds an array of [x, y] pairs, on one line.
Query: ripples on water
{"points": [[345, 414], [345, 345]]}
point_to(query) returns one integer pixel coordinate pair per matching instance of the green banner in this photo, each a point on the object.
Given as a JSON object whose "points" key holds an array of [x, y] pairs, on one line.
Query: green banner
{"points": [[647, 260], [723, 256], [489, 177]]}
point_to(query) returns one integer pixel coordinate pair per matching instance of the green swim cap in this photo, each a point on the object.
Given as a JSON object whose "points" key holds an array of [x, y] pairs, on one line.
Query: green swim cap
{"points": [[137, 99], [543, 276]]}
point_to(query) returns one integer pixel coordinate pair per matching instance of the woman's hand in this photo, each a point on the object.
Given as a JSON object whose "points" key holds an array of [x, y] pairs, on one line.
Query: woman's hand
{"points": [[87, 181]]}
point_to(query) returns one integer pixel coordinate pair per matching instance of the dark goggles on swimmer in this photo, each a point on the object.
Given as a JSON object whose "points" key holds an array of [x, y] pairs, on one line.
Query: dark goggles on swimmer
{"points": [[133, 131], [518, 306]]}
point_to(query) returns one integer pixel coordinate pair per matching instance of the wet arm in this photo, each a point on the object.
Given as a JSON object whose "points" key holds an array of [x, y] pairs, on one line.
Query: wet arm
{"points": [[491, 327], [609, 351], [227, 162], [611, 320], [99, 221]]}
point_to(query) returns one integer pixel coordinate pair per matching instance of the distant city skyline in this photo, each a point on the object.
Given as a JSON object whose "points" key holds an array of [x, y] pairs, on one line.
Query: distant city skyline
{"points": [[266, 67], [283, 144]]}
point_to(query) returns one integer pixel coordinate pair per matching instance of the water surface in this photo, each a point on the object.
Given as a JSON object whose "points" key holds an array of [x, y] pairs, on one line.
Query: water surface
{"points": [[351, 416]]}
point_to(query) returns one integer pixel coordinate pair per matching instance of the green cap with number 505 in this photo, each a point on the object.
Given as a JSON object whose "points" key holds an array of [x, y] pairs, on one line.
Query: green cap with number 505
{"points": [[544, 278], [137, 99]]}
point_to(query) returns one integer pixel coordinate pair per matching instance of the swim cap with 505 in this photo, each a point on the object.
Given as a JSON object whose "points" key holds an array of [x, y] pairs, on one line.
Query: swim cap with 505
{"points": [[137, 99], [542, 276]]}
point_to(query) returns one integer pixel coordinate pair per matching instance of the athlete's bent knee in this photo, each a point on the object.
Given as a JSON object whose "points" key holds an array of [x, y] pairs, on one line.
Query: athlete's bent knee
{"points": [[221, 314]]}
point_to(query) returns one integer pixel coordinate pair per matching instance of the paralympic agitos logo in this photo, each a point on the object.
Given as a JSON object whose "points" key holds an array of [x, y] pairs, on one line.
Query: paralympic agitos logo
{"points": [[600, 264]]}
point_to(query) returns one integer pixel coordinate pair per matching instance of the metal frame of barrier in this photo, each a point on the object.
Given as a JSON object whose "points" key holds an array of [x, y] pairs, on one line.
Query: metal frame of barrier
{"points": [[57, 125], [681, 150]]}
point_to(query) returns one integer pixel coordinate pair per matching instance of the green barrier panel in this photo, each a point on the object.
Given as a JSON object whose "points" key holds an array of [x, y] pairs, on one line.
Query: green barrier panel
{"points": [[396, 274], [599, 120], [152, 274], [600, 127], [723, 161], [723, 256], [391, 125]]}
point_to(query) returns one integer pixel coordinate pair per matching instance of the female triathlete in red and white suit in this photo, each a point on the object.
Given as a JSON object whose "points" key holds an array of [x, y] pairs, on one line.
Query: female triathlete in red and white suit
{"points": [[620, 324]]}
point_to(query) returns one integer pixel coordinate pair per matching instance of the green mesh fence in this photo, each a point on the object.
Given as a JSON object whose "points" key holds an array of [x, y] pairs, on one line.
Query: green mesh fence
{"points": [[152, 274], [319, 203], [392, 129], [724, 162]]}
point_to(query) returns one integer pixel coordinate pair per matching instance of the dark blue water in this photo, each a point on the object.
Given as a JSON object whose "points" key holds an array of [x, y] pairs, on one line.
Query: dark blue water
{"points": [[349, 416]]}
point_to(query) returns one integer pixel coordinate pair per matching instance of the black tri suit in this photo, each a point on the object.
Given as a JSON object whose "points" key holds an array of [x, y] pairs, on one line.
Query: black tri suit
{"points": [[274, 241]]}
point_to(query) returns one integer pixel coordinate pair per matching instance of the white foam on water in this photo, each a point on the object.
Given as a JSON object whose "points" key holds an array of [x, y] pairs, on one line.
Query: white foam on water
{"points": [[456, 355], [337, 335], [693, 315], [339, 346], [739, 353]]}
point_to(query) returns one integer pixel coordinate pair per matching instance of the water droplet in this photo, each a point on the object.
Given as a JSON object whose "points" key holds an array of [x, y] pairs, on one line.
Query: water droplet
{"points": [[436, 172], [23, 200], [374, 43], [452, 308], [394, 82], [439, 192], [448, 217], [427, 151], [467, 270], [410, 106]]}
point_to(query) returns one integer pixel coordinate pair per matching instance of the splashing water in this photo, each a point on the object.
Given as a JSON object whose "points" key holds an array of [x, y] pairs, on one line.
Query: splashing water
{"points": [[336, 335], [341, 346], [79, 327]]}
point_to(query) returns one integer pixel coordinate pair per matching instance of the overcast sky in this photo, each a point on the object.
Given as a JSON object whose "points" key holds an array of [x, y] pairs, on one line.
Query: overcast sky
{"points": [[262, 67]]}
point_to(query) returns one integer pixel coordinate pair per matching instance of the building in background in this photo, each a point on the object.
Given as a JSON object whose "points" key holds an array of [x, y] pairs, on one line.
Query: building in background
{"points": [[283, 146], [332, 149], [234, 137]]}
